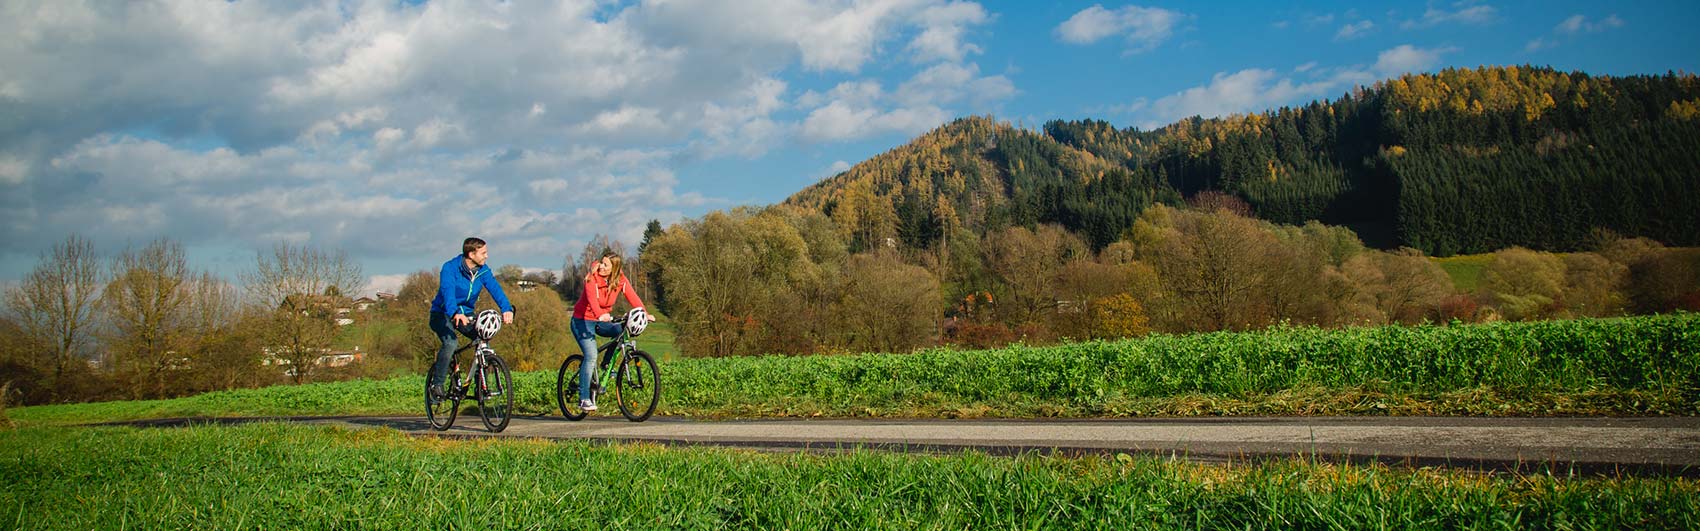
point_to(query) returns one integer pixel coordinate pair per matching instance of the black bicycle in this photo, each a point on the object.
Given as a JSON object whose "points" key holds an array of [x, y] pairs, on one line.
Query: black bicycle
{"points": [[636, 379], [489, 382]]}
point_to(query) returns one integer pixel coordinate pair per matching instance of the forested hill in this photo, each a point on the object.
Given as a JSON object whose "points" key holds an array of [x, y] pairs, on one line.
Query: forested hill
{"points": [[1460, 161]]}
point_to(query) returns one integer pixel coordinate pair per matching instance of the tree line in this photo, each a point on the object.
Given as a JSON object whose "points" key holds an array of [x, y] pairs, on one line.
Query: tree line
{"points": [[788, 280], [145, 323], [785, 280]]}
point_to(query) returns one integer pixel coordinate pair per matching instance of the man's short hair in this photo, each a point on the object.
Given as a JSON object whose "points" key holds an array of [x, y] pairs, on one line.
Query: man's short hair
{"points": [[470, 245]]}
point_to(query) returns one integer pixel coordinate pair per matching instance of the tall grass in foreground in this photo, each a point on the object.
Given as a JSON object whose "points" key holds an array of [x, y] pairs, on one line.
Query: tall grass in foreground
{"points": [[1639, 365], [306, 477]]}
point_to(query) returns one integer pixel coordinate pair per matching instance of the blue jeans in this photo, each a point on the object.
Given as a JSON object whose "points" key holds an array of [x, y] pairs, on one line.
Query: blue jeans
{"points": [[585, 332], [443, 325]]}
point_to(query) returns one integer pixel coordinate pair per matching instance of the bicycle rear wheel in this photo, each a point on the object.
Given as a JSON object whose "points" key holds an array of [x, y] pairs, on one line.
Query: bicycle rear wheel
{"points": [[566, 388], [637, 386], [495, 390], [442, 414]]}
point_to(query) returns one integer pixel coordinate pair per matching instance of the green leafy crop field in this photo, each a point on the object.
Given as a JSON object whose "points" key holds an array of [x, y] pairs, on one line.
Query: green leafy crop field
{"points": [[1625, 366]]}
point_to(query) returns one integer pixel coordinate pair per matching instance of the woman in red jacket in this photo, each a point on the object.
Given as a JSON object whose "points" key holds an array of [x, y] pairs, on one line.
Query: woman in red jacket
{"points": [[592, 316]]}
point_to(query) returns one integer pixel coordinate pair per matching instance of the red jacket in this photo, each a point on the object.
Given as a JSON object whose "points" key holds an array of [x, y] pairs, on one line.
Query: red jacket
{"points": [[591, 305]]}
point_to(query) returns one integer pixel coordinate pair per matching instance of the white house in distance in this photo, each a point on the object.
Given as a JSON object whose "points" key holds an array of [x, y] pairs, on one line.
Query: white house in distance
{"points": [[364, 303], [326, 358]]}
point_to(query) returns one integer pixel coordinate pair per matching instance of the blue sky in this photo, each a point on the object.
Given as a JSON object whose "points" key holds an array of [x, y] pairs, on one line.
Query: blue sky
{"points": [[392, 129]]}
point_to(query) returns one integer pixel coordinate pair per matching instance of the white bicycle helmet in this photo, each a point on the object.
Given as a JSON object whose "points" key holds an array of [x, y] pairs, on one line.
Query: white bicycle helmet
{"points": [[488, 323], [636, 320]]}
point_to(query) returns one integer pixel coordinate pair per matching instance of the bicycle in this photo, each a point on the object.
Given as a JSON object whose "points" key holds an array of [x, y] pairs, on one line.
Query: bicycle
{"points": [[490, 384], [637, 380]]}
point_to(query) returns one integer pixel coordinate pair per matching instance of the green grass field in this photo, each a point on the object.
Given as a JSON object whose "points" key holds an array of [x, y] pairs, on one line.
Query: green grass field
{"points": [[1465, 270], [1626, 366], [657, 339], [275, 476]]}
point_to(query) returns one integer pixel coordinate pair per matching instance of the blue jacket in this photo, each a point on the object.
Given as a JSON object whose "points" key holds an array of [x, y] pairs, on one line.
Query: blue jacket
{"points": [[457, 289]]}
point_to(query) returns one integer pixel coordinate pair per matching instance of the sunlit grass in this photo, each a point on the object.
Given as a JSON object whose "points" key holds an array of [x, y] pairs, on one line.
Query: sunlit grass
{"points": [[1465, 270], [295, 477]]}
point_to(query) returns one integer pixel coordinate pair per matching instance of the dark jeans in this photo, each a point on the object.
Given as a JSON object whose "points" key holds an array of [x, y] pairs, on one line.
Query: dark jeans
{"points": [[443, 325]]}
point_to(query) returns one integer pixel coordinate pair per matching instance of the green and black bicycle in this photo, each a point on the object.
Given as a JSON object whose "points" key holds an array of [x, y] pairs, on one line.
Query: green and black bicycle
{"points": [[636, 379]]}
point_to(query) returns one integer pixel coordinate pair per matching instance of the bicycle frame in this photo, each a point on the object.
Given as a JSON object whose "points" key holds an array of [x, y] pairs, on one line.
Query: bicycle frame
{"points": [[473, 376], [610, 359]]}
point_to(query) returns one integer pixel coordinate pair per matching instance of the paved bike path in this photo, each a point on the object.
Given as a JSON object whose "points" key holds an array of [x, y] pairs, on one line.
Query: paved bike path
{"points": [[1663, 445]]}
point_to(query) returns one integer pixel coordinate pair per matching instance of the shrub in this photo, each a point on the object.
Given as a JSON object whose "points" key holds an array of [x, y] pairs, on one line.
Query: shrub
{"points": [[1525, 284], [1119, 316]]}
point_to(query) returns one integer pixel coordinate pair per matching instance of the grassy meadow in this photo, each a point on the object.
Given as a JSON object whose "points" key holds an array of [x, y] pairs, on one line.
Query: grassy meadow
{"points": [[1465, 270], [311, 477]]}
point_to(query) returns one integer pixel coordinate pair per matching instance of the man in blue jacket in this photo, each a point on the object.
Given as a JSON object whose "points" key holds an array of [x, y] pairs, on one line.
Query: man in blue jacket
{"points": [[457, 294]]}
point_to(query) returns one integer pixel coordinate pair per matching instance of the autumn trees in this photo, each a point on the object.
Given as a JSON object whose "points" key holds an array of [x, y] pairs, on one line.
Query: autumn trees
{"points": [[781, 280], [1456, 161], [164, 317], [300, 288], [54, 310]]}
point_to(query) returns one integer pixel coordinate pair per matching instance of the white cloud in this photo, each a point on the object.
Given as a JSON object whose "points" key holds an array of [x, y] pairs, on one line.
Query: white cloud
{"points": [[1463, 12], [1354, 30], [945, 84], [838, 121], [1138, 104], [1144, 27], [828, 36], [837, 167], [383, 283], [388, 138], [863, 108], [1570, 28], [744, 125], [376, 126], [1406, 58], [1250, 90], [1257, 90], [13, 170], [841, 120], [626, 120], [1580, 24], [942, 36]]}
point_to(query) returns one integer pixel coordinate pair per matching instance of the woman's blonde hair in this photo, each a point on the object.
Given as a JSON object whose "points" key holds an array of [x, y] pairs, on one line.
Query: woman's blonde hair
{"points": [[615, 273]]}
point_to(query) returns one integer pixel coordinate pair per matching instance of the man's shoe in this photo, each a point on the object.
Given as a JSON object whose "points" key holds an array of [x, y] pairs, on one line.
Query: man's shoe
{"points": [[587, 405], [436, 394]]}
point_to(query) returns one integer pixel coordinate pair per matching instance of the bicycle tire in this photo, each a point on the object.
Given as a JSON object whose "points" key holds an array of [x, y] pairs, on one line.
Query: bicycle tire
{"points": [[442, 416], [495, 390], [566, 388], [637, 386]]}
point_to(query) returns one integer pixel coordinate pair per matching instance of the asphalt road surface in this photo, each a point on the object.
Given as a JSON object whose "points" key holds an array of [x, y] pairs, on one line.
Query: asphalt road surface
{"points": [[1661, 446]]}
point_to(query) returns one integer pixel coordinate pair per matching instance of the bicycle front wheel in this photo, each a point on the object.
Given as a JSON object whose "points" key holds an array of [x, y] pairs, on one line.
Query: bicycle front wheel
{"points": [[495, 393], [637, 386], [566, 388], [442, 413]]}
